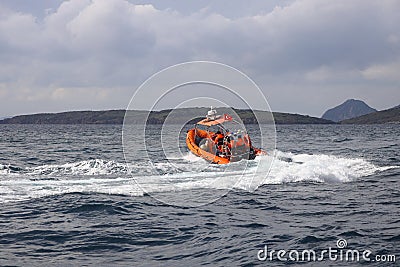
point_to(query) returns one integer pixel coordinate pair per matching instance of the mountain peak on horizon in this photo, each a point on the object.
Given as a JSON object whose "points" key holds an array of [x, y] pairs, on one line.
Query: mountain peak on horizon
{"points": [[349, 109]]}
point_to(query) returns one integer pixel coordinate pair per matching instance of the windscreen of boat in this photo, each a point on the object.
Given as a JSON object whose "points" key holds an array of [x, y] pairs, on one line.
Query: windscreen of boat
{"points": [[234, 126]]}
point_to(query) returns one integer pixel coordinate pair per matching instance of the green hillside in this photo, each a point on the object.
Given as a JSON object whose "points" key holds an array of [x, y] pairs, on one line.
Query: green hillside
{"points": [[385, 116], [156, 117]]}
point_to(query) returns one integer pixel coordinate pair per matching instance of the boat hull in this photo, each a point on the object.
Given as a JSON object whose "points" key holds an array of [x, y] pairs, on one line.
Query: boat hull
{"points": [[195, 149], [193, 146]]}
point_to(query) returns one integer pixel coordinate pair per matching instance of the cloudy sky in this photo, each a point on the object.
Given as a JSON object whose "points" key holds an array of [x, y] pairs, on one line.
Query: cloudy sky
{"points": [[305, 55]]}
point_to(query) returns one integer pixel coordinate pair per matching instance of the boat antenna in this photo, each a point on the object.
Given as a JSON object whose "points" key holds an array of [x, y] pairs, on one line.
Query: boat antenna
{"points": [[212, 114]]}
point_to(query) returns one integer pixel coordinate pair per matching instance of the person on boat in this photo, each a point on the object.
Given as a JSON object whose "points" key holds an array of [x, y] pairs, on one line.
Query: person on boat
{"points": [[226, 144], [240, 138], [207, 145], [218, 138]]}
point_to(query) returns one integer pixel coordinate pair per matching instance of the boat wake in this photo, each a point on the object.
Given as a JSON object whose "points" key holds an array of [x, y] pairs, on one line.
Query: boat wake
{"points": [[181, 173], [320, 168]]}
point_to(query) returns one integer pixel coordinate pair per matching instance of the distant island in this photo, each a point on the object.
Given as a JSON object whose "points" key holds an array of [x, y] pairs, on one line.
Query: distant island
{"points": [[351, 108], [181, 116], [391, 115], [154, 117]]}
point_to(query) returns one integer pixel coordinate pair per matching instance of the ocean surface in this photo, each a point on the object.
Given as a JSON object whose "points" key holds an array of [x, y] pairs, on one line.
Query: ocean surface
{"points": [[68, 198]]}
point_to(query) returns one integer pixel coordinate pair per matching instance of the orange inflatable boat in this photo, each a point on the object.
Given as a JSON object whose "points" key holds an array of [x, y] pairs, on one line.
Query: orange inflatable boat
{"points": [[210, 140]]}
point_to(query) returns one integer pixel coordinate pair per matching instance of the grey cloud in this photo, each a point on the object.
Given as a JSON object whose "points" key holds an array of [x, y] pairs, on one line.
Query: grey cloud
{"points": [[114, 45]]}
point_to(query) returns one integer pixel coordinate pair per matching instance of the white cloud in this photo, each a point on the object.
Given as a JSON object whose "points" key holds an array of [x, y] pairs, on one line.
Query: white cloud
{"points": [[394, 39], [386, 72], [3, 93], [332, 74], [320, 74], [59, 93]]}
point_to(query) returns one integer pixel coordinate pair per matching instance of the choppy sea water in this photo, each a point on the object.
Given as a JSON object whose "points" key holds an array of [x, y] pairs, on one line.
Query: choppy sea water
{"points": [[68, 198]]}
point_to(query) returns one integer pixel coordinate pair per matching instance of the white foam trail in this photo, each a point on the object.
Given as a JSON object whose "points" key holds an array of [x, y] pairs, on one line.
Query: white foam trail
{"points": [[87, 167], [8, 170], [23, 189], [318, 168], [193, 158], [3, 170], [116, 178]]}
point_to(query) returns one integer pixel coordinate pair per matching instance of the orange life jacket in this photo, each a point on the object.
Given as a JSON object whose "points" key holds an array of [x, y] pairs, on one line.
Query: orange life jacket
{"points": [[218, 138], [239, 142]]}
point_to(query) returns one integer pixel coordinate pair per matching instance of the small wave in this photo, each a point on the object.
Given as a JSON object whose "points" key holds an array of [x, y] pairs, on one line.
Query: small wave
{"points": [[393, 238], [9, 169], [310, 239], [341, 140], [3, 169], [252, 225], [87, 167], [98, 208], [351, 234]]}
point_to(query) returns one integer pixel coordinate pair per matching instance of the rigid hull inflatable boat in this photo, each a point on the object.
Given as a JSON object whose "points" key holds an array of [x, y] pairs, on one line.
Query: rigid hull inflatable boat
{"points": [[211, 140]]}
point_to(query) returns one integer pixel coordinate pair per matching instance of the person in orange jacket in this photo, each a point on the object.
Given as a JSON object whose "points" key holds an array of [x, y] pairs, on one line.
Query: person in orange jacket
{"points": [[218, 138]]}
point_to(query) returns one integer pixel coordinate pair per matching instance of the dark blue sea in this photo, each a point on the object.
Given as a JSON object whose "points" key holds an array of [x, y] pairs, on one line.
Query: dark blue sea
{"points": [[69, 198]]}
